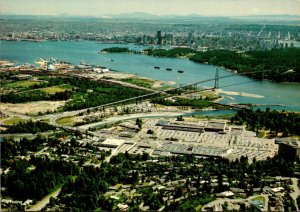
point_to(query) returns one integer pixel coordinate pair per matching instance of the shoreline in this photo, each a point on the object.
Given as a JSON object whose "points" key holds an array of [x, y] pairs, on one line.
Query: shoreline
{"points": [[119, 75], [137, 71]]}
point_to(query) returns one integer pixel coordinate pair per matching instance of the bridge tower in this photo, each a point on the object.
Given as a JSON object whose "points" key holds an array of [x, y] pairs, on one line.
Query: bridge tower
{"points": [[217, 79]]}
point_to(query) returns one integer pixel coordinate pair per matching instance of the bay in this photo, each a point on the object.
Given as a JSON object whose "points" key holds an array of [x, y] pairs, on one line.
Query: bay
{"points": [[236, 89]]}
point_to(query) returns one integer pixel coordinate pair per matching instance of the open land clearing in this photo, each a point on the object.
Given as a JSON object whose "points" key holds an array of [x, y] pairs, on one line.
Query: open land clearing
{"points": [[135, 79], [147, 83], [233, 93], [32, 107], [6, 63], [159, 84], [117, 75]]}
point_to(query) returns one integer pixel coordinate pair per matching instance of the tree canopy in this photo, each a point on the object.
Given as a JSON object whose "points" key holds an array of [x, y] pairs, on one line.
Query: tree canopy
{"points": [[288, 123]]}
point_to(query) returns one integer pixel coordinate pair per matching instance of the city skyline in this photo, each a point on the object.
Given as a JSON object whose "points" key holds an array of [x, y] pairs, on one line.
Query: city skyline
{"points": [[107, 9]]}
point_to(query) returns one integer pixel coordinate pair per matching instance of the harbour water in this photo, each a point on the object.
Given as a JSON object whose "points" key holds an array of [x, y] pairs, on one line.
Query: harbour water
{"points": [[236, 89]]}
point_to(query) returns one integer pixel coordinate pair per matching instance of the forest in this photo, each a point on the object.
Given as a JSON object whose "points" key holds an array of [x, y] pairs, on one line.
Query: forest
{"points": [[175, 52], [103, 93], [194, 103], [278, 64], [28, 127], [287, 123], [83, 93], [115, 50], [35, 95], [36, 178]]}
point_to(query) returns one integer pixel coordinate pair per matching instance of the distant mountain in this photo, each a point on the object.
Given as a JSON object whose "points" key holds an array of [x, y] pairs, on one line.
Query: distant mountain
{"points": [[270, 17], [135, 15], [141, 15]]}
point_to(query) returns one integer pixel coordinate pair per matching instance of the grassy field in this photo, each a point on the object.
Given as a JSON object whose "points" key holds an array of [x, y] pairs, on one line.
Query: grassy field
{"points": [[146, 83], [13, 120], [55, 89], [68, 121], [22, 84]]}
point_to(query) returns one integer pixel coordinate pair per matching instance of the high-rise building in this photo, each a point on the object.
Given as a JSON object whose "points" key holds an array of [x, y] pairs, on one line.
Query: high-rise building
{"points": [[145, 40], [190, 38], [159, 38]]}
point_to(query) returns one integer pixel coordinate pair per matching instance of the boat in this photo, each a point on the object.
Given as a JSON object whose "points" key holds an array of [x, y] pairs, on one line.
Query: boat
{"points": [[156, 67], [180, 71], [168, 69], [112, 60]]}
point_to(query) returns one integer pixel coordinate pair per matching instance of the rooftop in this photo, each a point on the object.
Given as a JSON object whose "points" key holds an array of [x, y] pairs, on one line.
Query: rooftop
{"points": [[113, 142], [288, 141]]}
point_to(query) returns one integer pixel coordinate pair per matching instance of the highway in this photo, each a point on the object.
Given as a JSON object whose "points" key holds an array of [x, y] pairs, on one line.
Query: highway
{"points": [[17, 135], [42, 203], [72, 113], [54, 117], [133, 116], [296, 191]]}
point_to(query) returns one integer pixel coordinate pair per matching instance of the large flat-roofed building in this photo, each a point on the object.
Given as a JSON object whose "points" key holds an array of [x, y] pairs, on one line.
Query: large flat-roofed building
{"points": [[210, 126], [183, 149], [142, 148], [126, 147], [112, 143], [215, 126], [189, 128], [289, 148]]}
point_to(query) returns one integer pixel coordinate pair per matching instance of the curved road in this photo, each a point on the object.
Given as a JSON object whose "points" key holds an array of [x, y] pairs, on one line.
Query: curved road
{"points": [[114, 119], [296, 191]]}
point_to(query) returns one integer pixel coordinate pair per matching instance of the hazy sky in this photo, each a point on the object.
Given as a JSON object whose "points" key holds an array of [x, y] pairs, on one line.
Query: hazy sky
{"points": [[157, 7]]}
